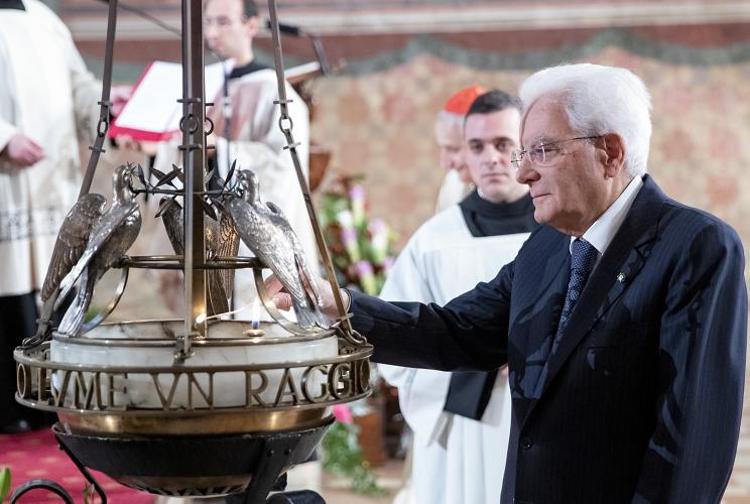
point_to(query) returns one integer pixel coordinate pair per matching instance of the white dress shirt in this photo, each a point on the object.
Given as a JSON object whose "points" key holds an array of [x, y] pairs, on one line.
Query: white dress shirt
{"points": [[603, 230]]}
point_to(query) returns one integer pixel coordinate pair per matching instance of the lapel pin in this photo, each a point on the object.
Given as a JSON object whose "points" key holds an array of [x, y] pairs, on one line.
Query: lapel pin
{"points": [[621, 277]]}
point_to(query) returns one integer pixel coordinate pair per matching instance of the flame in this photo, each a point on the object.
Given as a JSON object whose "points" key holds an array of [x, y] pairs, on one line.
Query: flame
{"points": [[255, 314], [200, 319]]}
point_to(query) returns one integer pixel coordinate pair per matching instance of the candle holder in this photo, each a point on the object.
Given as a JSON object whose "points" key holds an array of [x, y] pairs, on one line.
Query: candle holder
{"points": [[253, 332], [195, 406]]}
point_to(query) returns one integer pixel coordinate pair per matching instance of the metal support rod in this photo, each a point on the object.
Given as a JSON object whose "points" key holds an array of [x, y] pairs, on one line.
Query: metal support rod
{"points": [[82, 468], [43, 484], [285, 123], [320, 55], [56, 488], [194, 160], [104, 104]]}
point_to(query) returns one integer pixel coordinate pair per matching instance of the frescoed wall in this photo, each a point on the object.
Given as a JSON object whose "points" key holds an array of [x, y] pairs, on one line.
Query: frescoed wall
{"points": [[380, 123], [399, 59]]}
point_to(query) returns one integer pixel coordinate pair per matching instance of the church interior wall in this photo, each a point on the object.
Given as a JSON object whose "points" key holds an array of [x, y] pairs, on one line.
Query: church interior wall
{"points": [[376, 114]]}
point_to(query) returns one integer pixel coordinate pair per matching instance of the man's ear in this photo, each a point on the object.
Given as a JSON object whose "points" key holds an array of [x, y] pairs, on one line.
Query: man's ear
{"points": [[253, 25], [464, 174], [612, 154]]}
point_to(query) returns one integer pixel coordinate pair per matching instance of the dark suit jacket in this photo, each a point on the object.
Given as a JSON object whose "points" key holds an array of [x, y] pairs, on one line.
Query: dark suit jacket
{"points": [[643, 399]]}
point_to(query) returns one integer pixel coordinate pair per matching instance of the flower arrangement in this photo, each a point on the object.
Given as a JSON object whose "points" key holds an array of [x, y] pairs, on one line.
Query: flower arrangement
{"points": [[362, 254], [342, 454], [361, 247]]}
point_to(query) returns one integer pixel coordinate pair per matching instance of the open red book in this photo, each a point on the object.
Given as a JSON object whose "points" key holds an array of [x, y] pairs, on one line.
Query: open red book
{"points": [[152, 113]]}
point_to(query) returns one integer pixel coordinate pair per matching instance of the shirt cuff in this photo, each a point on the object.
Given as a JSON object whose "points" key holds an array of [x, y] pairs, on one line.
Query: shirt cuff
{"points": [[347, 299]]}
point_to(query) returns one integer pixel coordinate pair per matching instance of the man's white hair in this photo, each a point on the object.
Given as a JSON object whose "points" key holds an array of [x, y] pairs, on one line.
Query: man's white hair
{"points": [[599, 100], [450, 119]]}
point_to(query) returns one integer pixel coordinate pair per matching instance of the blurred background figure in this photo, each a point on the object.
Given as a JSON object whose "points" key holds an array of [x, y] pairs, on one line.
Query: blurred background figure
{"points": [[374, 111], [461, 421], [48, 103], [246, 129], [449, 135]]}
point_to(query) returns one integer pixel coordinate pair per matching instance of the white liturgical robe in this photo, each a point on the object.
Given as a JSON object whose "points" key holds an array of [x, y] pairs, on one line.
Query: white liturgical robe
{"points": [[455, 459], [46, 94], [257, 143]]}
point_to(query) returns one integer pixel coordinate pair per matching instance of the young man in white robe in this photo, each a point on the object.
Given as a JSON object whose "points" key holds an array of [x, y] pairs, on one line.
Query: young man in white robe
{"points": [[48, 103], [449, 136], [247, 130], [461, 421]]}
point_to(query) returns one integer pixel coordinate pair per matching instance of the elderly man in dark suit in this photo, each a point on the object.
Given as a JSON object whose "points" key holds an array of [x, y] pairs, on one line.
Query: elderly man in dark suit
{"points": [[623, 318]]}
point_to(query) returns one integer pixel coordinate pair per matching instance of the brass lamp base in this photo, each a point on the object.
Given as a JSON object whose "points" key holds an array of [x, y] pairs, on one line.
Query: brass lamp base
{"points": [[196, 466], [186, 424]]}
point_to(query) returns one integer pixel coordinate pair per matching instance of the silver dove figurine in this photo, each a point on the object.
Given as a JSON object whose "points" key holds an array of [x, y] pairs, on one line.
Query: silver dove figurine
{"points": [[110, 237], [221, 241], [69, 246], [267, 233]]}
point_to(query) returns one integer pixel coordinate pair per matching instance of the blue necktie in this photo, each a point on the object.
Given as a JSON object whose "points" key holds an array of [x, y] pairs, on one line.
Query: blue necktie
{"points": [[582, 260]]}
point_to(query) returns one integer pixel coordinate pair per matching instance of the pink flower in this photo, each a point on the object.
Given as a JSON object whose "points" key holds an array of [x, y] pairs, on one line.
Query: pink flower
{"points": [[379, 237], [364, 268], [357, 199], [366, 277], [357, 193], [343, 414]]}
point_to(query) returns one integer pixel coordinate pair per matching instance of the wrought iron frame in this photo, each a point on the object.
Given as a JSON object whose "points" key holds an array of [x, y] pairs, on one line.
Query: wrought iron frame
{"points": [[90, 390], [345, 377]]}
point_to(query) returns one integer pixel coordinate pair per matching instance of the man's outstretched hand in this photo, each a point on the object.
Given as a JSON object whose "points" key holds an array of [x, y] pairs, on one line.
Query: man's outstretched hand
{"points": [[327, 304]]}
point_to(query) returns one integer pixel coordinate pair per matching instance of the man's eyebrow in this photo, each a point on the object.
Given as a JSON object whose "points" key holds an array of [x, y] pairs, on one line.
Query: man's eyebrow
{"points": [[503, 139], [492, 139], [540, 140]]}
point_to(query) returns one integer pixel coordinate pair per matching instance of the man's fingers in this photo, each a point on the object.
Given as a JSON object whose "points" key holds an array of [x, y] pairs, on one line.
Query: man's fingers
{"points": [[282, 300], [27, 158], [273, 285], [36, 154], [23, 151], [30, 158], [34, 147], [275, 289], [22, 160], [149, 148], [32, 151], [127, 142]]}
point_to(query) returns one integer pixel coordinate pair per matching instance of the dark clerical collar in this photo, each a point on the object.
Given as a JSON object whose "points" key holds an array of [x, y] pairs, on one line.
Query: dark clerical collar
{"points": [[243, 70], [12, 4], [484, 218]]}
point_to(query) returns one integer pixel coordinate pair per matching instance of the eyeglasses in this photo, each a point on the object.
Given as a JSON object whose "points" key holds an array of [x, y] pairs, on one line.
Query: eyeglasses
{"points": [[542, 154]]}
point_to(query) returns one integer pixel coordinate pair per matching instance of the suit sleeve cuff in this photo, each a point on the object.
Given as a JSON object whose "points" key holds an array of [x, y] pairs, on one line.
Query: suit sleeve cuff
{"points": [[361, 321]]}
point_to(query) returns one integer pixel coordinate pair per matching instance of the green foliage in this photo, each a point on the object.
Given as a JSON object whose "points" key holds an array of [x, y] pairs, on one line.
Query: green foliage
{"points": [[362, 252], [4, 483], [343, 456], [88, 493]]}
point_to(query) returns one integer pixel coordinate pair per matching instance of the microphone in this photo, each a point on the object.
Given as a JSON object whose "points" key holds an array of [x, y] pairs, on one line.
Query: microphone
{"points": [[297, 31], [145, 15], [287, 29]]}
